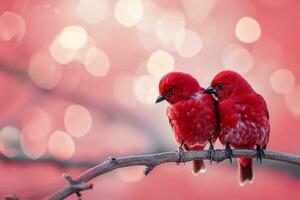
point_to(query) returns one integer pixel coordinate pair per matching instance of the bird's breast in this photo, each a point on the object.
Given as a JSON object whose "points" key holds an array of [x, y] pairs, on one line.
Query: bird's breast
{"points": [[193, 121]]}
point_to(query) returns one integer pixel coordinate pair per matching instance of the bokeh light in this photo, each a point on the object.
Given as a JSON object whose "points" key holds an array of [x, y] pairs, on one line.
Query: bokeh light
{"points": [[82, 52], [282, 81], [247, 30], [148, 25], [43, 70], [36, 124], [77, 120], [237, 58], [12, 26], [168, 25], [160, 63], [198, 10], [188, 43], [130, 174], [96, 62], [73, 37], [152, 13], [145, 89], [33, 149], [93, 11], [61, 145], [128, 12], [9, 141], [61, 54], [123, 92]]}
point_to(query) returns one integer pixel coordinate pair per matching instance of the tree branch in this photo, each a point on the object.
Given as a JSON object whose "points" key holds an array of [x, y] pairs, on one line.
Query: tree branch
{"points": [[152, 160]]}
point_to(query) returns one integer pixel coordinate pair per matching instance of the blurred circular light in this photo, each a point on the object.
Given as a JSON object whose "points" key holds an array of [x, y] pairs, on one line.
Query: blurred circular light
{"points": [[123, 92], [82, 52], [73, 37], [168, 26], [237, 58], [33, 149], [128, 12], [36, 124], [292, 101], [130, 174], [144, 88], [12, 26], [61, 145], [160, 63], [147, 26], [61, 54], [188, 43], [77, 120], [93, 11], [282, 81], [150, 18], [96, 62], [198, 10], [43, 71], [152, 94], [9, 141], [247, 30]]}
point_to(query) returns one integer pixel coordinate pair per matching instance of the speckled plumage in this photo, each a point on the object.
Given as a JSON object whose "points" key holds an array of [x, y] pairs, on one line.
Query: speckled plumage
{"points": [[192, 113], [194, 121], [244, 121], [244, 117]]}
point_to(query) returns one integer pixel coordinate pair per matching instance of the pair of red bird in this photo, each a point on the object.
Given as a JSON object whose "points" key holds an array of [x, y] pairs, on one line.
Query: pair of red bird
{"points": [[239, 116]]}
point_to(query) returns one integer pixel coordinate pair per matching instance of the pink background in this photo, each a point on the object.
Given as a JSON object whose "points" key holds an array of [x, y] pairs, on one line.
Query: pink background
{"points": [[78, 81]]}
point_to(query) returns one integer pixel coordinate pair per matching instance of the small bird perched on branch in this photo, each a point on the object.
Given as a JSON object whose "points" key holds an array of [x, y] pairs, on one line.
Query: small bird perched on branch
{"points": [[244, 118], [192, 113]]}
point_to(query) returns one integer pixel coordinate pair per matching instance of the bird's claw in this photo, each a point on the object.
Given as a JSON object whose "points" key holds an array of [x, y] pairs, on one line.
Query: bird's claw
{"points": [[180, 156], [260, 153], [229, 152], [211, 151], [148, 169]]}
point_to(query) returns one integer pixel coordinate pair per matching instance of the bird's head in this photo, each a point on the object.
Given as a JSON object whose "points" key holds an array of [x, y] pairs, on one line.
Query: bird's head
{"points": [[227, 84], [177, 86]]}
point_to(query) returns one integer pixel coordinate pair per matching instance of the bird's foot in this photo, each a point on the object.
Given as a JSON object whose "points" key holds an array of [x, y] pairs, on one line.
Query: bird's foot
{"points": [[148, 169], [260, 153], [229, 152], [180, 155], [211, 150]]}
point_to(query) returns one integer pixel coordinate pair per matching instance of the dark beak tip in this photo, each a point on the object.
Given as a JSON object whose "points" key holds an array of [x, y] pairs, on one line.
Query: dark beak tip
{"points": [[210, 90], [160, 99]]}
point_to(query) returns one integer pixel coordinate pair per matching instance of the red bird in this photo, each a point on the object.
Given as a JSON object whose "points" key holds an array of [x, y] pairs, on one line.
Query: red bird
{"points": [[192, 113], [244, 118]]}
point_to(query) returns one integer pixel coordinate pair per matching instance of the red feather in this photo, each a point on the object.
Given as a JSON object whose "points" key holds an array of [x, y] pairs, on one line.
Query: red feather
{"points": [[192, 113], [244, 117]]}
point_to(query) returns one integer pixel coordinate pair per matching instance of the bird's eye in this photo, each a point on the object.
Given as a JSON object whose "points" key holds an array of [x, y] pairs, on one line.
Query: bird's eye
{"points": [[170, 90], [220, 86]]}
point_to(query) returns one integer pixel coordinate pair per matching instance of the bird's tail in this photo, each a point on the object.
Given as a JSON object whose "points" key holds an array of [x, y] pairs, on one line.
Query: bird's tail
{"points": [[198, 166], [245, 171]]}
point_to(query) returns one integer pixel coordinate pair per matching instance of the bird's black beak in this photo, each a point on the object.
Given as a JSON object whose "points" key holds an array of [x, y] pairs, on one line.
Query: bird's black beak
{"points": [[211, 90], [160, 98]]}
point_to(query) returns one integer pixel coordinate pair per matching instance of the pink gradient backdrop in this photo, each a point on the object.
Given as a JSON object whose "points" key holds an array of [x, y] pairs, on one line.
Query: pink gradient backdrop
{"points": [[79, 80]]}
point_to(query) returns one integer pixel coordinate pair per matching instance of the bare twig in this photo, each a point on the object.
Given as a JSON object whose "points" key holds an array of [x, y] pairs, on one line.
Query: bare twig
{"points": [[153, 160]]}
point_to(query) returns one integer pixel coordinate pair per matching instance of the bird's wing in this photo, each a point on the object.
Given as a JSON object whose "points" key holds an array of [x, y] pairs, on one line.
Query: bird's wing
{"points": [[264, 105], [169, 113]]}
